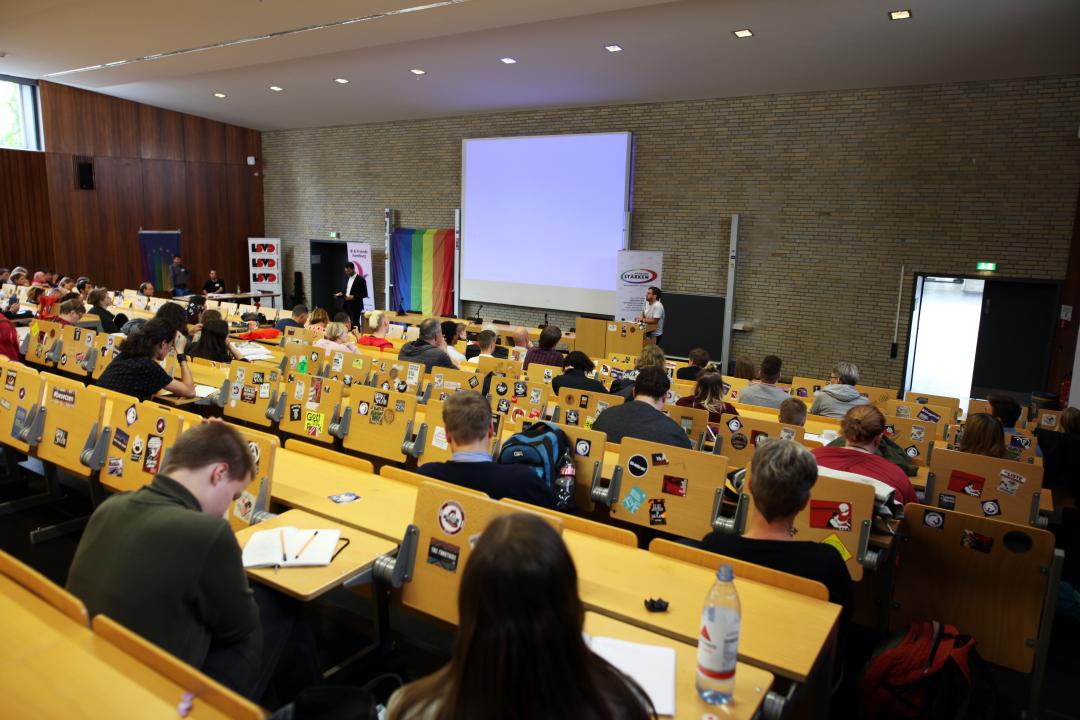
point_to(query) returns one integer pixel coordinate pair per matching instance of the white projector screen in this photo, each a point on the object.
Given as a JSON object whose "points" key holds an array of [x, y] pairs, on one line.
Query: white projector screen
{"points": [[542, 219]]}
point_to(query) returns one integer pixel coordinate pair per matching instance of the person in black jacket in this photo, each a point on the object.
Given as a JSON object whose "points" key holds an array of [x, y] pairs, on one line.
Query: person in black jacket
{"points": [[699, 362], [487, 343], [100, 299], [643, 416], [575, 374], [467, 420]]}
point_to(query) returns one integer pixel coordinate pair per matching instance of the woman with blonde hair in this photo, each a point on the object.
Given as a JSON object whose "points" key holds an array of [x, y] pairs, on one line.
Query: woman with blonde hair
{"points": [[318, 320], [379, 322], [337, 338], [651, 356], [709, 395]]}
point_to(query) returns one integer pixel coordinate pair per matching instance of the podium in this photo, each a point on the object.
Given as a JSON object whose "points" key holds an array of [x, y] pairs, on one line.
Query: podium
{"points": [[624, 338]]}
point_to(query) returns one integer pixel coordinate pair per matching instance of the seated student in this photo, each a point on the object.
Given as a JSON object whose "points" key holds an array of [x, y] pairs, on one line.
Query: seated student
{"points": [[519, 599], [764, 392], [575, 375], [520, 336], [214, 284], [146, 289], [744, 368], [485, 346], [318, 320], [84, 287], [983, 435], [136, 371], [467, 419], [429, 348], [379, 322], [699, 363], [1008, 411], [100, 299], [840, 395], [545, 354], [793, 412], [452, 332], [298, 319], [9, 341], [863, 428], [176, 316], [336, 339], [70, 312], [213, 343], [782, 474], [343, 317], [643, 416], [651, 356], [709, 395], [499, 351], [163, 562]]}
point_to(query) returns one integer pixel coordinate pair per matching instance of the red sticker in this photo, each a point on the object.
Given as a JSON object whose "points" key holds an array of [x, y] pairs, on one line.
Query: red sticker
{"points": [[965, 482], [830, 515], [674, 485]]}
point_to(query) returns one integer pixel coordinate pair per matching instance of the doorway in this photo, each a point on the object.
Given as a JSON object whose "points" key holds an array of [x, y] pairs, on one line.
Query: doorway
{"points": [[972, 336], [327, 274]]}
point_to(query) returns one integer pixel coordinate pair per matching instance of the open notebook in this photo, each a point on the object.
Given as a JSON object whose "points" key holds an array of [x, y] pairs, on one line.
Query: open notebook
{"points": [[290, 547]]}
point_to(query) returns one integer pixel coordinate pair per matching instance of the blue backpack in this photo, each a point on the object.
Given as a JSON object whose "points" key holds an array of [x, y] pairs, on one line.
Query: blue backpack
{"points": [[539, 446]]}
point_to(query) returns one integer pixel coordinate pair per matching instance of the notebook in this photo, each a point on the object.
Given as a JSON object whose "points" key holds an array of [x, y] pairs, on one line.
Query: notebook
{"points": [[290, 547], [651, 666]]}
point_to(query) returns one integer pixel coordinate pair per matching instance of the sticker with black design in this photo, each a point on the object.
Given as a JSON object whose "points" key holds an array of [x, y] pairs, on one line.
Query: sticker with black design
{"points": [[399, 406], [739, 441], [637, 465], [362, 408], [474, 381], [659, 458], [911, 451], [734, 425], [120, 440], [583, 447], [787, 433], [294, 413], [946, 501], [928, 415], [583, 403], [501, 388], [976, 541], [991, 508], [757, 437], [657, 511], [520, 389], [443, 554], [382, 399], [934, 520], [1010, 482], [60, 438], [503, 406], [571, 417], [918, 432]]}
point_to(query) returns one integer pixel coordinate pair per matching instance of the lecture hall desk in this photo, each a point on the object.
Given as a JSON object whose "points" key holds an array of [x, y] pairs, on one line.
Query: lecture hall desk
{"points": [[53, 667]]}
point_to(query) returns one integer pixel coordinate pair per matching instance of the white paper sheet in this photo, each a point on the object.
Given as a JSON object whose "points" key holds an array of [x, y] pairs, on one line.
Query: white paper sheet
{"points": [[651, 666]]}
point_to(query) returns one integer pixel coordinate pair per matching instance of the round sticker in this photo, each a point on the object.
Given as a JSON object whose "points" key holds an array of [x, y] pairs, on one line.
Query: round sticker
{"points": [[501, 388], [253, 448], [22, 393], [362, 408], [388, 416], [637, 465], [933, 519], [451, 517], [583, 447], [402, 386], [393, 373], [63, 359], [734, 424], [738, 441], [160, 425], [991, 508], [912, 451]]}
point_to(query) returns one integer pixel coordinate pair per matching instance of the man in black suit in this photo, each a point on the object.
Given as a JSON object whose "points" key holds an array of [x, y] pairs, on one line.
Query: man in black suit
{"points": [[352, 297]]}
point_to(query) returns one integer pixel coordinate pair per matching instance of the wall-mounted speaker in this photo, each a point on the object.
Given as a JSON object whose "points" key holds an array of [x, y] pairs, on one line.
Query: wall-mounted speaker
{"points": [[84, 172]]}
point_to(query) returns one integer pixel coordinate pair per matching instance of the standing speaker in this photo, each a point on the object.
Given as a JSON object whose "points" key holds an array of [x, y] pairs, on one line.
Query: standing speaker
{"points": [[84, 172]]}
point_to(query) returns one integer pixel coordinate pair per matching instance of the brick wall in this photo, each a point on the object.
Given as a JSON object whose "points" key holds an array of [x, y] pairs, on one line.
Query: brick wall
{"points": [[835, 190]]}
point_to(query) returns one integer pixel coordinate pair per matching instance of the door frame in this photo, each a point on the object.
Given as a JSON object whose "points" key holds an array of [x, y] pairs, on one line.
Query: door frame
{"points": [[916, 274]]}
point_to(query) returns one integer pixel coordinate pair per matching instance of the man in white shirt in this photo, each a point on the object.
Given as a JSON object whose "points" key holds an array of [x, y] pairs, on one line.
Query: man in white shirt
{"points": [[352, 298], [485, 341], [653, 314]]}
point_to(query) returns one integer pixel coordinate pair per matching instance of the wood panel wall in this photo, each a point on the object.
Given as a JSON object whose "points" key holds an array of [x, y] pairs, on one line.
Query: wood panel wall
{"points": [[153, 168]]}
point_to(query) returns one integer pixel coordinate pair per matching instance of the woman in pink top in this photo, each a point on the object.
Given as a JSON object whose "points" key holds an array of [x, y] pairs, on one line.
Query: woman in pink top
{"points": [[337, 338], [863, 427]]}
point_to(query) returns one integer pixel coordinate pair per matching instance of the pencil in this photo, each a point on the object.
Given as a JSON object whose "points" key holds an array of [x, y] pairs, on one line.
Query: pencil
{"points": [[281, 536], [305, 546]]}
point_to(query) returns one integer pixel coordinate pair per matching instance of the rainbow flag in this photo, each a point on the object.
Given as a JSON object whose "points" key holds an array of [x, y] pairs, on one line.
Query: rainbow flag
{"points": [[422, 270], [157, 249]]}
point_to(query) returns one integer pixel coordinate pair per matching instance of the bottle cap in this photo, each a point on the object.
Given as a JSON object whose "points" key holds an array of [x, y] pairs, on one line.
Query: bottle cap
{"points": [[725, 573]]}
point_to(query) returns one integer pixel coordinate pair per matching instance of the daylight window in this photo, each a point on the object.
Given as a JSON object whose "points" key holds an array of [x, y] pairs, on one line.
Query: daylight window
{"points": [[18, 114]]}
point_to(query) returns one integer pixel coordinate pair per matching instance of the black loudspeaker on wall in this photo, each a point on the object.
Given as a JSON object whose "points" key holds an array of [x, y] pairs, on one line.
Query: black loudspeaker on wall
{"points": [[298, 289], [84, 172]]}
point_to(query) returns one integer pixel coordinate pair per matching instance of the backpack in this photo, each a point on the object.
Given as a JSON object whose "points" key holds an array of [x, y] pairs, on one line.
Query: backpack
{"points": [[930, 671], [539, 446]]}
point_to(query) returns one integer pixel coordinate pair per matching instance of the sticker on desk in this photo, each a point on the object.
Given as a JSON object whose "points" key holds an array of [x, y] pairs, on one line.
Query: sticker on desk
{"points": [[634, 500], [264, 390], [5, 404], [534, 396], [345, 497], [571, 417], [674, 485], [837, 543], [976, 541], [657, 511], [314, 395], [967, 483], [911, 451], [918, 432], [295, 412], [933, 520], [153, 455], [388, 417], [443, 554], [243, 506], [382, 399], [413, 375], [338, 362], [438, 437], [589, 422], [257, 378], [9, 380], [298, 391], [503, 406], [314, 423], [830, 515], [739, 441], [548, 374], [637, 465], [757, 437], [249, 394], [64, 397], [991, 508], [474, 381], [253, 448], [399, 406], [583, 447], [928, 415], [63, 359], [120, 440], [451, 517], [734, 425], [115, 467], [903, 411], [60, 438], [946, 501], [22, 393], [20, 418], [612, 327], [520, 389], [1010, 482]]}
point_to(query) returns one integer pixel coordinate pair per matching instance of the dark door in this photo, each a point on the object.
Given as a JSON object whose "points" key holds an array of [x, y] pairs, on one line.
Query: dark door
{"points": [[327, 274], [1015, 337]]}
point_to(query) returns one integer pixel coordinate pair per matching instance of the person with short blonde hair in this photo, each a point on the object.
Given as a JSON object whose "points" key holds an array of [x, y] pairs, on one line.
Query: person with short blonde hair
{"points": [[379, 322], [336, 338]]}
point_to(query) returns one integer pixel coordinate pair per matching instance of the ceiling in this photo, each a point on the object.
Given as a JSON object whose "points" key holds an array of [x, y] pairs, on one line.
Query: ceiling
{"points": [[672, 50]]}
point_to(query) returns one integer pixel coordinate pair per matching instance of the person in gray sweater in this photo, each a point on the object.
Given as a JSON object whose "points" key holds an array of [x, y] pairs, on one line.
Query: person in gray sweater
{"points": [[765, 393], [643, 416], [840, 395], [429, 348]]}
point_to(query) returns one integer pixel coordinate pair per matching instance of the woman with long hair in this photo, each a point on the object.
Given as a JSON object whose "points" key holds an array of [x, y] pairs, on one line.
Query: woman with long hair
{"points": [[135, 371], [983, 434], [318, 320], [709, 395], [213, 343], [520, 651]]}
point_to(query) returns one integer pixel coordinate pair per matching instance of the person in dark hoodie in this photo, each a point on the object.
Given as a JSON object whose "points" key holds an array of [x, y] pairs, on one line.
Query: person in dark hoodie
{"points": [[840, 395], [429, 348]]}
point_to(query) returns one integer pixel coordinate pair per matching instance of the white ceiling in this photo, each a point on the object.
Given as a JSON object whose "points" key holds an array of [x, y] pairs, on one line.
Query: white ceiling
{"points": [[673, 50]]}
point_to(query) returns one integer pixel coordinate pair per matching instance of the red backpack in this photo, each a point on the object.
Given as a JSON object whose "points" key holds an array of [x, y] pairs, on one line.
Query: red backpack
{"points": [[928, 672]]}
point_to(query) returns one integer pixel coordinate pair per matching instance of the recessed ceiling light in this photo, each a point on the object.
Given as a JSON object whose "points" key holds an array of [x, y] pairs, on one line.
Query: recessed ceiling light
{"points": [[613, 48], [417, 71], [507, 61], [220, 95], [899, 14], [276, 88], [341, 81], [745, 33]]}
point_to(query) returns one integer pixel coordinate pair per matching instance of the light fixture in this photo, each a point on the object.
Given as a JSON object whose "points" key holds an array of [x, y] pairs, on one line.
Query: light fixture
{"points": [[341, 81], [613, 48], [220, 95], [417, 71], [507, 61], [276, 88], [900, 15], [744, 33]]}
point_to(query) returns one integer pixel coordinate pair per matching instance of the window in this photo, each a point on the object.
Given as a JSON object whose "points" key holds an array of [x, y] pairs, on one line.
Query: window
{"points": [[18, 114]]}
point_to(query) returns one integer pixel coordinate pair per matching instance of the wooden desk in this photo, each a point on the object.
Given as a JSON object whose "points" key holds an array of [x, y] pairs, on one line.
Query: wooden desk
{"points": [[1046, 498], [305, 583], [55, 668], [385, 507], [751, 683], [782, 632]]}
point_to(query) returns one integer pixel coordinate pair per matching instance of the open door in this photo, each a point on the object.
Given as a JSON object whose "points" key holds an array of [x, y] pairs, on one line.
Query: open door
{"points": [[1016, 335], [327, 274]]}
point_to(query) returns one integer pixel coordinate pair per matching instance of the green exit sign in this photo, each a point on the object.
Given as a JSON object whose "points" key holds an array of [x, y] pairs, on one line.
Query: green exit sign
{"points": [[989, 266], [336, 235]]}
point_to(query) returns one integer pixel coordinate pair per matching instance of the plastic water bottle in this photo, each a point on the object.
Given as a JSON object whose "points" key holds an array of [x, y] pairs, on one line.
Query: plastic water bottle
{"points": [[718, 640], [565, 484]]}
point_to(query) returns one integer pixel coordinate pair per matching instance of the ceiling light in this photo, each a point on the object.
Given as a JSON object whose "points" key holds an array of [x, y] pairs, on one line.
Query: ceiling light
{"points": [[745, 33], [613, 48], [899, 14], [220, 95], [417, 71], [341, 81], [275, 88], [507, 61]]}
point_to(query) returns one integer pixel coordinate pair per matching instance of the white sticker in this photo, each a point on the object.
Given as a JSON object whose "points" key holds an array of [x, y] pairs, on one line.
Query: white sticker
{"points": [[438, 437], [338, 362], [264, 390], [298, 393], [413, 376]]}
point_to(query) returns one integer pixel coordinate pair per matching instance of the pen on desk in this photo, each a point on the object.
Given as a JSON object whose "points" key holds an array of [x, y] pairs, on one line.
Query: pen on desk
{"points": [[281, 535], [305, 546]]}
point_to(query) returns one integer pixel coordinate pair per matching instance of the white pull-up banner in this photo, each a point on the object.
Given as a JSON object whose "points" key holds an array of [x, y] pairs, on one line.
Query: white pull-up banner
{"points": [[637, 271], [264, 268]]}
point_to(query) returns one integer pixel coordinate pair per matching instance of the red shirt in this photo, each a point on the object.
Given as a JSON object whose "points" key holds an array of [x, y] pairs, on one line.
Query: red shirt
{"points": [[376, 342], [9, 340], [864, 463]]}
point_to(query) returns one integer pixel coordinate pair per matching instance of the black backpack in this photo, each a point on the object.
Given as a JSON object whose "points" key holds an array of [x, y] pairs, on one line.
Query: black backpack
{"points": [[539, 446]]}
